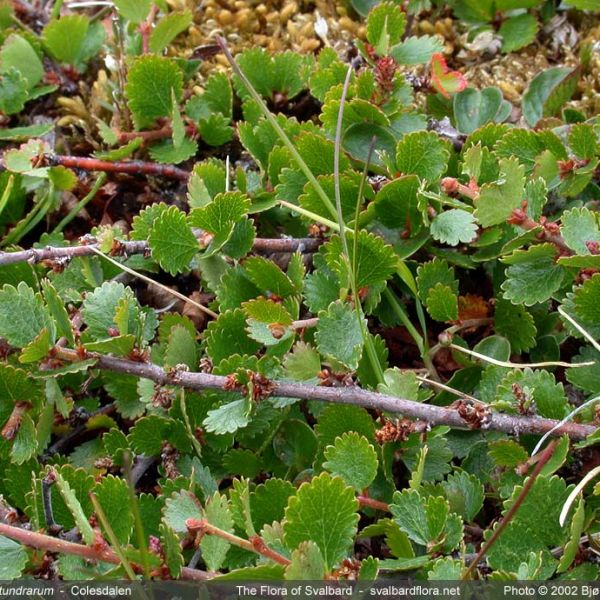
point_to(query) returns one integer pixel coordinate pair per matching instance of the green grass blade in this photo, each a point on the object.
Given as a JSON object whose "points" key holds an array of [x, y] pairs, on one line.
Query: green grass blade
{"points": [[280, 132]]}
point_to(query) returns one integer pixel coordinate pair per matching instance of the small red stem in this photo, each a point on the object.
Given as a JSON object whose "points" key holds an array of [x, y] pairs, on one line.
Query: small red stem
{"points": [[255, 544], [371, 503], [13, 424], [47, 543], [261, 548], [451, 185], [520, 218], [146, 29], [133, 167]]}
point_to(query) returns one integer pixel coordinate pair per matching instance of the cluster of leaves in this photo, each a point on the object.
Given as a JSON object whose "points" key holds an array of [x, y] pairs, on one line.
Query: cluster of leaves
{"points": [[436, 217], [514, 23], [517, 23]]}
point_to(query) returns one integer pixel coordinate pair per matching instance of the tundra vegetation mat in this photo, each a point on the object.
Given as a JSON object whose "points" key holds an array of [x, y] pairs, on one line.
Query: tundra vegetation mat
{"points": [[299, 290]]}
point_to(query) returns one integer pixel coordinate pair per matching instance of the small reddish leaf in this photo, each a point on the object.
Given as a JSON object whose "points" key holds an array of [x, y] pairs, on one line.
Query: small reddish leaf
{"points": [[443, 80]]}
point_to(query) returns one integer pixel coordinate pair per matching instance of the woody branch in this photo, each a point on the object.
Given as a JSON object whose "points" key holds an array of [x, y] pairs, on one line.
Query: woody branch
{"points": [[40, 541], [433, 415], [127, 248]]}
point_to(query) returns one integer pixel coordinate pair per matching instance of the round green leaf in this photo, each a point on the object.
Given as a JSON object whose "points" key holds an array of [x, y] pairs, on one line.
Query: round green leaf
{"points": [[354, 459], [359, 137], [323, 511]]}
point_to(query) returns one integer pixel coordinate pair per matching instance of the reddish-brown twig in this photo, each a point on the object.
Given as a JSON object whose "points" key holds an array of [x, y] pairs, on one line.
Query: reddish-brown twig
{"points": [[11, 428], [451, 185], [255, 544], [132, 167], [371, 503], [549, 231], [146, 28], [44, 542]]}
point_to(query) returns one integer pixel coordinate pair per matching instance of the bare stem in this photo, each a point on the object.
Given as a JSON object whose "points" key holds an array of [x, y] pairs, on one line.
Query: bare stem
{"points": [[371, 503], [434, 415], [282, 245], [450, 185], [12, 426], [47, 543], [305, 323], [146, 28], [132, 167], [128, 248], [255, 544], [549, 232], [470, 324]]}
